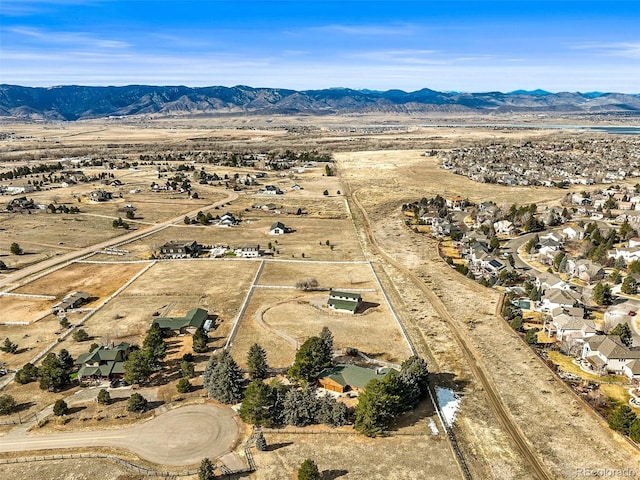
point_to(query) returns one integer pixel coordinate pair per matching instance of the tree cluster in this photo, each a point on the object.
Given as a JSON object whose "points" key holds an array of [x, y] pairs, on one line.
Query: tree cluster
{"points": [[223, 379], [141, 363]]}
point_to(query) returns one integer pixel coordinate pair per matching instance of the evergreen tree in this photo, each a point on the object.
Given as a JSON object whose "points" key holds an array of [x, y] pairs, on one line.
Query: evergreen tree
{"points": [[257, 362], [60, 408], [138, 367], [200, 339], [7, 404], [103, 397], [624, 332], [257, 404], [137, 403], [80, 335], [414, 377], [224, 380], [301, 407], [261, 442], [28, 373], [66, 359], [331, 412], [629, 285], [206, 470], [183, 385], [312, 357], [154, 344], [634, 431], [309, 471], [602, 294], [187, 369], [327, 338], [377, 406], [622, 418], [53, 375]]}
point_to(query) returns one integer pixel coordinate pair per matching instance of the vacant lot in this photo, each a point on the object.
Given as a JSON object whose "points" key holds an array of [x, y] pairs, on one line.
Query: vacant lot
{"points": [[30, 339], [329, 275]]}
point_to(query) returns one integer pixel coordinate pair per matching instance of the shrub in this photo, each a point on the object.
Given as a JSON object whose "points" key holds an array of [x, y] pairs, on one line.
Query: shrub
{"points": [[183, 385], [137, 403], [60, 408]]}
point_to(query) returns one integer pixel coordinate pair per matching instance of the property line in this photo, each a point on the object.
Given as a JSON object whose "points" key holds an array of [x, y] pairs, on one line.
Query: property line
{"points": [[236, 322]]}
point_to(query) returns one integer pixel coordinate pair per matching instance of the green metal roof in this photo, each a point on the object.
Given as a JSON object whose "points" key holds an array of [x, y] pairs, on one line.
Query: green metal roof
{"points": [[194, 318], [340, 293], [351, 375], [343, 305]]}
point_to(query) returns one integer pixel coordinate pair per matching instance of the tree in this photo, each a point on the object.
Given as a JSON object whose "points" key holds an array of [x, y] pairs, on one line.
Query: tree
{"points": [[137, 403], [326, 192], [261, 442], [257, 404], [200, 339], [15, 249], [53, 375], [154, 344], [301, 407], [624, 331], [414, 377], [60, 408], [377, 406], [312, 357], [531, 336], [7, 404], [257, 362], [66, 359], [629, 285], [8, 346], [138, 367], [206, 470], [3, 266], [621, 419], [187, 369], [557, 260], [130, 215], [80, 335], [28, 373], [64, 323], [517, 323], [223, 379], [309, 470], [183, 385], [103, 397], [327, 338], [602, 294], [634, 431]]}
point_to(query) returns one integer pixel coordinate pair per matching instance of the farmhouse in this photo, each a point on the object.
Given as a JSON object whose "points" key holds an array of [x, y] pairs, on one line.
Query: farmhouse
{"points": [[181, 249], [279, 228], [228, 220], [103, 363], [344, 301], [72, 300], [272, 190], [194, 319], [348, 378], [248, 251]]}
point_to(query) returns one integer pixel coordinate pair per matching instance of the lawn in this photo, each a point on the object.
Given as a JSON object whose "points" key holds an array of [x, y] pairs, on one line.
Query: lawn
{"points": [[566, 365]]}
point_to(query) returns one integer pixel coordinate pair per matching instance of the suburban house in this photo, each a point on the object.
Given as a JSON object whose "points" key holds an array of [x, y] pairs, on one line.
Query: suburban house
{"points": [[100, 196], [194, 319], [567, 327], [279, 228], [607, 354], [585, 270], [248, 251], [556, 297], [344, 301], [455, 203], [348, 378], [628, 254], [71, 301], [503, 227], [573, 232], [103, 363], [181, 249]]}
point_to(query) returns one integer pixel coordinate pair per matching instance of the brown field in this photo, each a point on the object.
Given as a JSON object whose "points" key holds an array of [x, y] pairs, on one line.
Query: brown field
{"points": [[329, 275], [20, 309], [99, 280], [30, 339]]}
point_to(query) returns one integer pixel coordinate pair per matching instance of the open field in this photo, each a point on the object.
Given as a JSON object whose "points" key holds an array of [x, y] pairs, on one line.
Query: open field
{"points": [[329, 275]]}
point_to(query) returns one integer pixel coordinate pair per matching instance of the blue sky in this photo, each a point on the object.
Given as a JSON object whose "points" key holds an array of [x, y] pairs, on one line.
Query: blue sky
{"points": [[460, 45]]}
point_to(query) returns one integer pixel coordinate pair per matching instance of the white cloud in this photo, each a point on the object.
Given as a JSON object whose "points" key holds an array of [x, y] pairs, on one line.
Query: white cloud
{"points": [[67, 38], [368, 30], [615, 49]]}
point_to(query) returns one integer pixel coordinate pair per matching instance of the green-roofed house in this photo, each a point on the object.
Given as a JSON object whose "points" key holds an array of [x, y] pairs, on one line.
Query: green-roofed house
{"points": [[348, 378], [103, 363], [193, 320], [344, 301]]}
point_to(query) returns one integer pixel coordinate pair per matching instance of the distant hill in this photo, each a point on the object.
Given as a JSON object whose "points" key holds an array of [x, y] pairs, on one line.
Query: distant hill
{"points": [[78, 102]]}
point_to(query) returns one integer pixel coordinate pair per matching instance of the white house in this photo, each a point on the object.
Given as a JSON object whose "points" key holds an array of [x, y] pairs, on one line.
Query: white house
{"points": [[248, 251], [566, 327], [503, 227], [279, 228], [607, 354], [573, 232], [556, 297]]}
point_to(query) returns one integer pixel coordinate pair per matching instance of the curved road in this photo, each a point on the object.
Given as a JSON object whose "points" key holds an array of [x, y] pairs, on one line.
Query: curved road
{"points": [[179, 437], [474, 359]]}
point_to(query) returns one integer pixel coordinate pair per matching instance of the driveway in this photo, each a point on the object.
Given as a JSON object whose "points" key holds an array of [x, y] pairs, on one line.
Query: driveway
{"points": [[179, 437]]}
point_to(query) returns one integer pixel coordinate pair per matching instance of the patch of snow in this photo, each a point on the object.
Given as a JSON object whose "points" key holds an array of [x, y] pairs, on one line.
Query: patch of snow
{"points": [[433, 427], [449, 404]]}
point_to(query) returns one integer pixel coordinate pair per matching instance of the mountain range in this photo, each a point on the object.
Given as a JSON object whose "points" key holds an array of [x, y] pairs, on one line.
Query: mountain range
{"points": [[83, 102]]}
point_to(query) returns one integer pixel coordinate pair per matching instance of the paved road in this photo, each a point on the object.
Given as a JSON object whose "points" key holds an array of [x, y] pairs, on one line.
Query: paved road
{"points": [[179, 437]]}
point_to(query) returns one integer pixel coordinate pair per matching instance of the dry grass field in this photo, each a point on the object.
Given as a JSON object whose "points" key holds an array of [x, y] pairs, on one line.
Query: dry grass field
{"points": [[329, 275]]}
